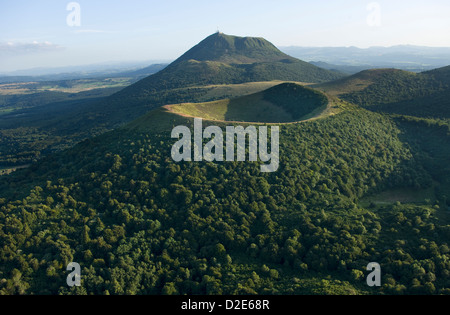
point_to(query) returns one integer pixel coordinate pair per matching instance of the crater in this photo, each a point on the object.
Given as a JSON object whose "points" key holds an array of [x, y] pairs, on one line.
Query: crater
{"points": [[283, 103]]}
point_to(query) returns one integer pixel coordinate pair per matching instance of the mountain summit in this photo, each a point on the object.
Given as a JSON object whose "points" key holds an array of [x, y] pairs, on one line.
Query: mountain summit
{"points": [[226, 59], [217, 60], [229, 49]]}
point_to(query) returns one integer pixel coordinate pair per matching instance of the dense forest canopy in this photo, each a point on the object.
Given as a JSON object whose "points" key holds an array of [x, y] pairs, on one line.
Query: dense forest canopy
{"points": [[399, 92], [139, 223], [368, 181]]}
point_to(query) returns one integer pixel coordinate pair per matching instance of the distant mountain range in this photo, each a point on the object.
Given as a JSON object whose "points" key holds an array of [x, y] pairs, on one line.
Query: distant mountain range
{"points": [[353, 59], [348, 60], [82, 72]]}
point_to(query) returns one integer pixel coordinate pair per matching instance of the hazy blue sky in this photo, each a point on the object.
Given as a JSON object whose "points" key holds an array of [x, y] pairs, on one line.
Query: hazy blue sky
{"points": [[36, 33]]}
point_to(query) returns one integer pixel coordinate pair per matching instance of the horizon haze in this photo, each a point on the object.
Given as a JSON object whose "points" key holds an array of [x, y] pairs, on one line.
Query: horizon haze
{"points": [[63, 33]]}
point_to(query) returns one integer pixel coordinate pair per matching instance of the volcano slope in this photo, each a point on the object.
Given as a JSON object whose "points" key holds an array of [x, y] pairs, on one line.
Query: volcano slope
{"points": [[397, 92], [139, 223], [284, 103], [217, 60], [216, 68]]}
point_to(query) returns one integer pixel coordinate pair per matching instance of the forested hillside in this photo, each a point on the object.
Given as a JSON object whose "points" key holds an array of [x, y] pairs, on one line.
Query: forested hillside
{"points": [[139, 223], [399, 92]]}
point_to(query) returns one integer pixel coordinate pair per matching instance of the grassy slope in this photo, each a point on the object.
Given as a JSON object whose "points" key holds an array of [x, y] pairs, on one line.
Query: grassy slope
{"points": [[222, 91], [286, 102], [241, 109]]}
